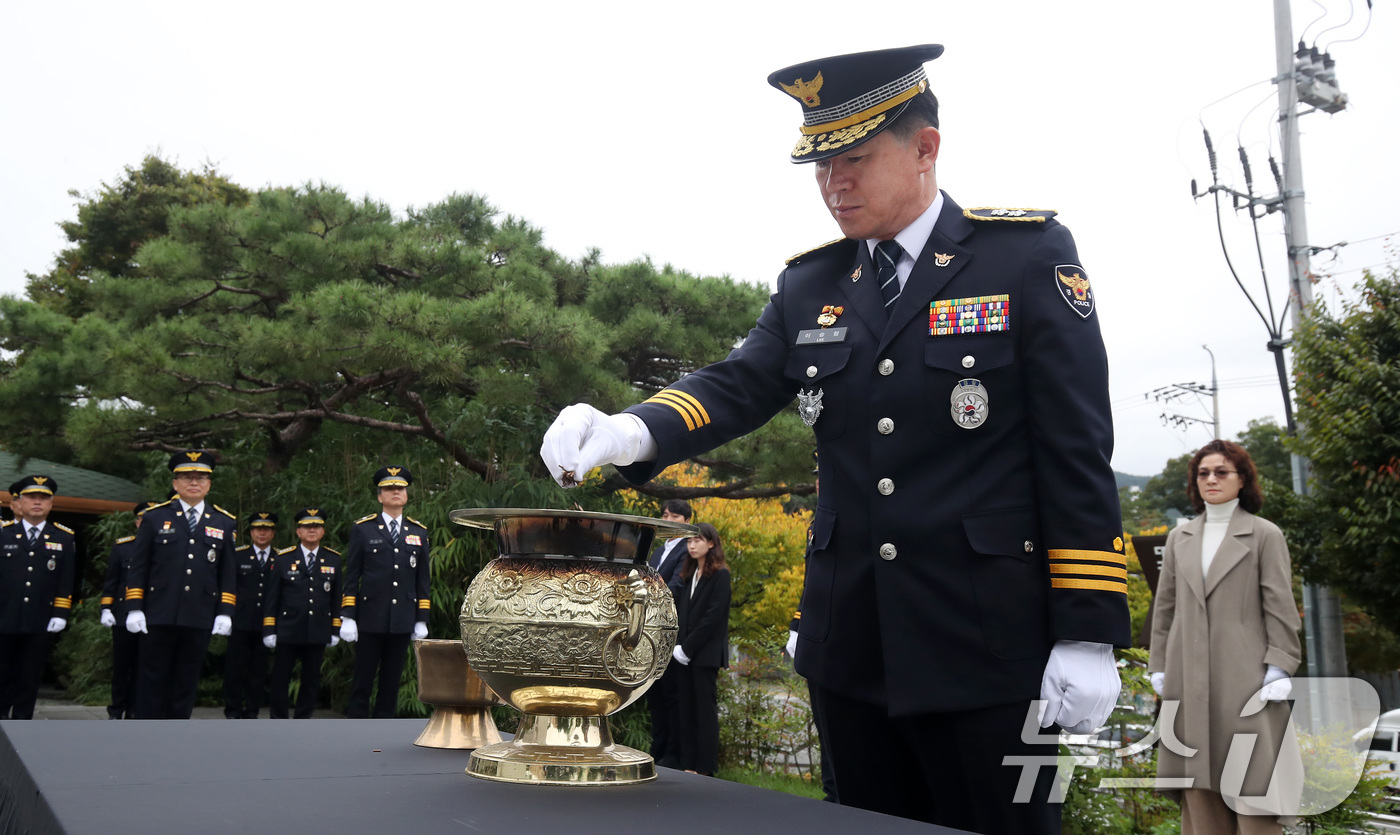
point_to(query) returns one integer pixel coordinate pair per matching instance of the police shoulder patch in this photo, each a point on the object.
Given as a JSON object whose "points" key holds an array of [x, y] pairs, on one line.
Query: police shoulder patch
{"points": [[63, 528], [362, 520], [226, 513], [815, 251], [1023, 215], [416, 522], [1072, 283], [125, 540]]}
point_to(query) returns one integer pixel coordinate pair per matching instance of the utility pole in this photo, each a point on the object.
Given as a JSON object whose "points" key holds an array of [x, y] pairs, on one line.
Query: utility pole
{"points": [[1214, 393], [1321, 609]]}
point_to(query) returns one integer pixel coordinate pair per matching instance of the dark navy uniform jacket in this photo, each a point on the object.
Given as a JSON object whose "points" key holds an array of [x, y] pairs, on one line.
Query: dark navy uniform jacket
{"points": [[36, 580], [386, 584], [945, 561], [183, 577], [114, 583], [251, 586], [301, 605]]}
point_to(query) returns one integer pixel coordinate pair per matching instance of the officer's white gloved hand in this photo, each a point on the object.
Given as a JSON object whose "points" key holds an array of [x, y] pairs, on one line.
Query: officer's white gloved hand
{"points": [[335, 639], [583, 438], [679, 655], [348, 632], [1157, 681], [57, 624], [1080, 686], [1277, 685], [108, 619], [792, 644], [270, 641], [136, 621], [420, 631], [223, 625]]}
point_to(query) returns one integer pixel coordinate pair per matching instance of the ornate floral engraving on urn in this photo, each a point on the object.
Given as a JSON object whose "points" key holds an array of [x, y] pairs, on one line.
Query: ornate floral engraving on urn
{"points": [[568, 625]]}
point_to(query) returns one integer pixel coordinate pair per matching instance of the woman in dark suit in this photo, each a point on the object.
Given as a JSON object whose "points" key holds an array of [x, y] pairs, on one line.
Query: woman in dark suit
{"points": [[702, 647]]}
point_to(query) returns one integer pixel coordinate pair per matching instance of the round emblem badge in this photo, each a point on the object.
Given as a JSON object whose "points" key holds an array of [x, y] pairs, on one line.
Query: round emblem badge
{"points": [[412, 562], [213, 555], [328, 585], [53, 564], [969, 404]]}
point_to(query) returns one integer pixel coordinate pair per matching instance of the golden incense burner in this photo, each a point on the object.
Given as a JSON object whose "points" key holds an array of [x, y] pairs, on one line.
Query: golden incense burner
{"points": [[461, 700], [567, 626]]}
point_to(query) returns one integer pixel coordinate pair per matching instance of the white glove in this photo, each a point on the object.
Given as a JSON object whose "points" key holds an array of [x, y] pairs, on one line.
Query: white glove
{"points": [[57, 624], [136, 621], [792, 644], [335, 639], [1277, 685], [1080, 686], [583, 438], [108, 619], [270, 641], [1158, 680], [348, 632], [679, 655], [223, 625], [420, 631]]}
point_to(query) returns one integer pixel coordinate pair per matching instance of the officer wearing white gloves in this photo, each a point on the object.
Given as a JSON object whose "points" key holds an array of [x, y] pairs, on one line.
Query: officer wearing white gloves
{"points": [[967, 556], [181, 589], [300, 616], [386, 595], [113, 602], [37, 561]]}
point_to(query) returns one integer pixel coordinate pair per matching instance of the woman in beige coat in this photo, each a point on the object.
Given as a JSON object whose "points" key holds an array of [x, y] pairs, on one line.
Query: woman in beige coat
{"points": [[1224, 641]]}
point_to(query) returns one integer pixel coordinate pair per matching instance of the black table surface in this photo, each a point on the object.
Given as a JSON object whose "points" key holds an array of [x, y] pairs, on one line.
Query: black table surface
{"points": [[346, 777]]}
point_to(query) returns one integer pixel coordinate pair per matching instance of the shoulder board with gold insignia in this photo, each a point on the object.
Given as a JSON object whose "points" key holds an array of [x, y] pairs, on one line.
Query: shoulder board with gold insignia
{"points": [[809, 254], [366, 519], [226, 513], [281, 551], [63, 528], [125, 540], [162, 504], [7, 523], [1023, 215], [416, 522], [242, 548], [330, 550]]}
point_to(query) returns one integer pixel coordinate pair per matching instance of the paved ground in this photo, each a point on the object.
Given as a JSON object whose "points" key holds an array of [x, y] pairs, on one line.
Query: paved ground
{"points": [[51, 705]]}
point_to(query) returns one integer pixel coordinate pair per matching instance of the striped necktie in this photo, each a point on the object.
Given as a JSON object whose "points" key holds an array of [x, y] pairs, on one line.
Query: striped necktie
{"points": [[394, 530], [886, 257]]}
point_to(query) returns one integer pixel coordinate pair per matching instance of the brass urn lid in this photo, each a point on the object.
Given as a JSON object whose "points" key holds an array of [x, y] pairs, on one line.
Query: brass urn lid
{"points": [[570, 534]]}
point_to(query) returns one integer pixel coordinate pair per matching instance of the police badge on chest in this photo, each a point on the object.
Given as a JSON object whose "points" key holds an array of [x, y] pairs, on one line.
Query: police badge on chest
{"points": [[809, 405]]}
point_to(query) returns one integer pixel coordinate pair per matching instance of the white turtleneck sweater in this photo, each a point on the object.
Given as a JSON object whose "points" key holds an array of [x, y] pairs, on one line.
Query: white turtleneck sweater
{"points": [[1217, 520]]}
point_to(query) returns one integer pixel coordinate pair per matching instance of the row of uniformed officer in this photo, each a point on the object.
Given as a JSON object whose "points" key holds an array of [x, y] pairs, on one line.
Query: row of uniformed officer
{"points": [[299, 614], [181, 589], [125, 645], [245, 663], [36, 592], [386, 597]]}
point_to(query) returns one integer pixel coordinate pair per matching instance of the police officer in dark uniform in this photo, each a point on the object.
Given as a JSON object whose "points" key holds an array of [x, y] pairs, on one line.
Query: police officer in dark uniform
{"points": [[181, 588], [245, 663], [386, 594], [299, 617], [37, 560], [966, 567], [125, 645]]}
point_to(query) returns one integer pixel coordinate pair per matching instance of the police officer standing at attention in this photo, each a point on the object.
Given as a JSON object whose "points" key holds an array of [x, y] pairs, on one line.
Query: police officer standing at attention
{"points": [[299, 618], [966, 570], [36, 592], [181, 588], [386, 594], [245, 663], [124, 644]]}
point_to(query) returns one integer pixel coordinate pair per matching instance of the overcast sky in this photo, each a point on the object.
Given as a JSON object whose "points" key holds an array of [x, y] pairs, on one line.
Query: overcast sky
{"points": [[648, 130]]}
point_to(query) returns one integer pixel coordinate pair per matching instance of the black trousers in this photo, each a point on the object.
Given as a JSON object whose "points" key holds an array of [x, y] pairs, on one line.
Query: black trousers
{"points": [[167, 678], [310, 656], [245, 674], [829, 793], [698, 719], [943, 768], [664, 702], [125, 654], [22, 657], [384, 652]]}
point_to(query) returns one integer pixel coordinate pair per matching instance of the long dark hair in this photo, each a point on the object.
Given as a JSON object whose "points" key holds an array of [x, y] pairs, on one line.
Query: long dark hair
{"points": [[714, 560], [1251, 497]]}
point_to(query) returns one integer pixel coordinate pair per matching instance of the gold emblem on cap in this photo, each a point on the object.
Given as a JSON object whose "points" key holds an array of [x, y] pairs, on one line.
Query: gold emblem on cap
{"points": [[941, 260], [311, 511], [193, 456], [393, 470], [38, 479], [805, 91], [262, 515]]}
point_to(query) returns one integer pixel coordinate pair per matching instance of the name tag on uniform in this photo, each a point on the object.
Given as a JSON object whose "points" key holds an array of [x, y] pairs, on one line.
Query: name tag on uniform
{"points": [[413, 539], [53, 546], [214, 532], [818, 336]]}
